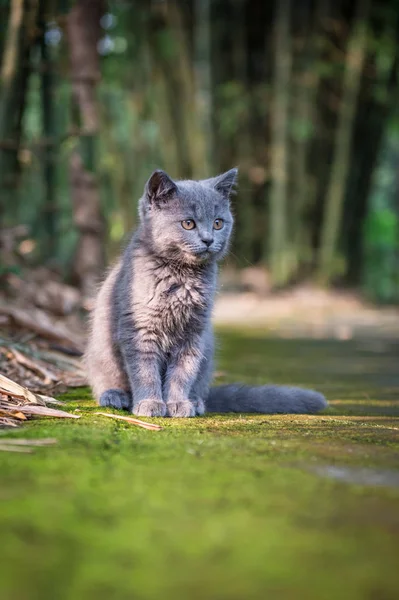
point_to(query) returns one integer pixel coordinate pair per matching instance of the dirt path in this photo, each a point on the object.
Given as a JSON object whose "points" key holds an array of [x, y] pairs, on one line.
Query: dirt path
{"points": [[308, 312]]}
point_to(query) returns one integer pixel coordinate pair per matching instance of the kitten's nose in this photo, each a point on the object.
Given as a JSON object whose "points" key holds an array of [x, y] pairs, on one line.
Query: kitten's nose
{"points": [[207, 240]]}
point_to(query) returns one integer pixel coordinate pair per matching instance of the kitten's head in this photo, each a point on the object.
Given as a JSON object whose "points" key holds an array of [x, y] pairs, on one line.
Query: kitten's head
{"points": [[188, 221]]}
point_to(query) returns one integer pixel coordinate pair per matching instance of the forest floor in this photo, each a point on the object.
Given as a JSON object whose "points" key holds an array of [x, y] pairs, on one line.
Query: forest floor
{"points": [[221, 507]]}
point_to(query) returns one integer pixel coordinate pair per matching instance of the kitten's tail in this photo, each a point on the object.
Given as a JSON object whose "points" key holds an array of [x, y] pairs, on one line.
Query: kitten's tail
{"points": [[264, 399]]}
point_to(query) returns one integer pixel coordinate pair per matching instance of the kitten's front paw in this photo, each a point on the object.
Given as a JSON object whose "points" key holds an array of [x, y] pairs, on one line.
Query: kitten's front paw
{"points": [[184, 408], [150, 408]]}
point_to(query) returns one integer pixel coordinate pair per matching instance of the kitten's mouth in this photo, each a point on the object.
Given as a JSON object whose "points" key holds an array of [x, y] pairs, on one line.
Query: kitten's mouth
{"points": [[204, 254], [199, 256]]}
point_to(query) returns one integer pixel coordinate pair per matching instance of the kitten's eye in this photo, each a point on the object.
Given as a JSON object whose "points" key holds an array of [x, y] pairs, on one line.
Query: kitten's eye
{"points": [[218, 224], [188, 224]]}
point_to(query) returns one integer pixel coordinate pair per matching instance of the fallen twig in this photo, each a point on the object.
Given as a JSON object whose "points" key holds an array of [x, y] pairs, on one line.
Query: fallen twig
{"points": [[143, 424], [5, 422], [50, 400], [7, 448], [46, 375], [39, 322], [60, 360], [27, 442]]}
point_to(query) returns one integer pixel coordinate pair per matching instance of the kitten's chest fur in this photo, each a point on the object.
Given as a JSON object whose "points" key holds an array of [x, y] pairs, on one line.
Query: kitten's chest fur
{"points": [[171, 301]]}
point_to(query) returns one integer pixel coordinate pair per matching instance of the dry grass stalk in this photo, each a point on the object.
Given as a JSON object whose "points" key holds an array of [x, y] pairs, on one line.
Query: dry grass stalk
{"points": [[24, 445], [44, 411], [7, 448], [131, 420]]}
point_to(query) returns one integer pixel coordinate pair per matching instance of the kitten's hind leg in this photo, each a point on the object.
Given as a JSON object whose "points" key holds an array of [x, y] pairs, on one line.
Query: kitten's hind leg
{"points": [[200, 389], [116, 399], [199, 406]]}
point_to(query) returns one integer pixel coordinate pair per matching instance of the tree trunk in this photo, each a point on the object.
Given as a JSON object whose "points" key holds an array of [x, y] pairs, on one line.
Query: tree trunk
{"points": [[381, 260], [83, 31], [356, 54], [49, 133], [373, 117], [14, 74], [202, 48], [279, 251]]}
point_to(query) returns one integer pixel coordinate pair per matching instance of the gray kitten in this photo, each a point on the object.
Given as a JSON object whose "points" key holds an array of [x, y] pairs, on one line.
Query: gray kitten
{"points": [[151, 342]]}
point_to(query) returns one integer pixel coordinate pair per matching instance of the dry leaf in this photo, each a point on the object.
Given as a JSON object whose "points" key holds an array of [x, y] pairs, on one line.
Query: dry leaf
{"points": [[10, 388], [13, 414]]}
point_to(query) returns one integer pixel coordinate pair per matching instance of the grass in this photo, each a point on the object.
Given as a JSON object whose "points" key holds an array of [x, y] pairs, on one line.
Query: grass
{"points": [[217, 507]]}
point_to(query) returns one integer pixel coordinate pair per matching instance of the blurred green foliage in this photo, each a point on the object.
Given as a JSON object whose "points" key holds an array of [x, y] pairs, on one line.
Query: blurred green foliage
{"points": [[154, 100]]}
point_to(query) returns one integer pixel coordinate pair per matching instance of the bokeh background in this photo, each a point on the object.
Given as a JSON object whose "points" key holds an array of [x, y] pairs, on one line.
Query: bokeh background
{"points": [[302, 96]]}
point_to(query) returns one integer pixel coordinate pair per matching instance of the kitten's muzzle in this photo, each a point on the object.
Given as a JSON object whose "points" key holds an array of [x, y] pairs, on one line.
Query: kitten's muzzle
{"points": [[208, 241]]}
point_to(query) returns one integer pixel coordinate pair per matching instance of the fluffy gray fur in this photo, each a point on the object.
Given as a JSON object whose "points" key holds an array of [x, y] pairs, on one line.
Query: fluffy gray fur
{"points": [[151, 341]]}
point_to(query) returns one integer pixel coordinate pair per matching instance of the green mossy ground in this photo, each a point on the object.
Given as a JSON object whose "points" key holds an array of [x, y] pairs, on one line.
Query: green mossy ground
{"points": [[216, 507]]}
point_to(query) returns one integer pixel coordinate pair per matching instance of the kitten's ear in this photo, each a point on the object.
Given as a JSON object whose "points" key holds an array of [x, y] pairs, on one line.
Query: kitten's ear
{"points": [[159, 187], [224, 183]]}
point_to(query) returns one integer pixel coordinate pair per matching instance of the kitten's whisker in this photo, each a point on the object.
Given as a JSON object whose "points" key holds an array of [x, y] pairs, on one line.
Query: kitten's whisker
{"points": [[251, 264]]}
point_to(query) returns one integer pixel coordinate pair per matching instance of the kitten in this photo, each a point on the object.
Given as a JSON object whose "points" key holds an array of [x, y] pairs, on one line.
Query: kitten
{"points": [[151, 342]]}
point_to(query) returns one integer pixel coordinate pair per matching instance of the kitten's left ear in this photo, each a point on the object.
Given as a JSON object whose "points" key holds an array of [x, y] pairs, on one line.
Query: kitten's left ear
{"points": [[224, 183], [159, 187]]}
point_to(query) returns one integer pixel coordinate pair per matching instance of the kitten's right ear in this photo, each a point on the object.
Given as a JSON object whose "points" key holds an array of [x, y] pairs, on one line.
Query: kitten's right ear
{"points": [[224, 183], [159, 187]]}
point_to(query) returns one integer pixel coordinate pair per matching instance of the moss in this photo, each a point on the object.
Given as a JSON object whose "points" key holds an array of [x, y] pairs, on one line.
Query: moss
{"points": [[213, 507]]}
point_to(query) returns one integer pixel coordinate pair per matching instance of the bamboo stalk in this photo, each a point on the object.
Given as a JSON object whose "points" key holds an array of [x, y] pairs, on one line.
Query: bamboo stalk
{"points": [[48, 127], [356, 54], [172, 73], [10, 75], [202, 49], [279, 251], [305, 114]]}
